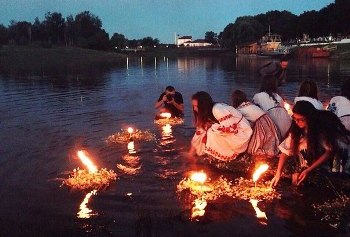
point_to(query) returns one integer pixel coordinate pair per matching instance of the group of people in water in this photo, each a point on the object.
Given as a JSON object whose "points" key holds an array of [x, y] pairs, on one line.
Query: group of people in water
{"points": [[314, 135]]}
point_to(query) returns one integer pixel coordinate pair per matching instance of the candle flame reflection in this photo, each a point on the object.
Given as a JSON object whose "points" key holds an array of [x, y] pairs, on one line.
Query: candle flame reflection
{"points": [[84, 211], [198, 209], [259, 214], [131, 147]]}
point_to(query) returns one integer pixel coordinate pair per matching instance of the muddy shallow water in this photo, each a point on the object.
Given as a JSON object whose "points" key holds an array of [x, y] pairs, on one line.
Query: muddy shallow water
{"points": [[44, 121]]}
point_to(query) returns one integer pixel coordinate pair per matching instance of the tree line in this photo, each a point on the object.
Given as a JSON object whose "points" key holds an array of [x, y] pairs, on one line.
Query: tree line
{"points": [[331, 20], [84, 30]]}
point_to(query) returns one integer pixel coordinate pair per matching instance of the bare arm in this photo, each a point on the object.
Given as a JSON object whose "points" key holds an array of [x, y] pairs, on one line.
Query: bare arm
{"points": [[325, 156], [282, 160], [158, 104], [178, 106]]}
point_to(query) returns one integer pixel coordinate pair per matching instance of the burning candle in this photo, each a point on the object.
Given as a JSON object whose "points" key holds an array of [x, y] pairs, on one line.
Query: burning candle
{"points": [[261, 169], [165, 115], [130, 131], [200, 177], [288, 108], [86, 161]]}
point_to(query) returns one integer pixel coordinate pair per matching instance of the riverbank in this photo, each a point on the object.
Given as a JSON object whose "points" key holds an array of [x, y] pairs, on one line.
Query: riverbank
{"points": [[30, 60]]}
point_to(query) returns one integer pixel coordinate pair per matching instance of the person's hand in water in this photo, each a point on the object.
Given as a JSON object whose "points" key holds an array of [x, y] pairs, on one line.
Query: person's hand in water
{"points": [[303, 175], [275, 180]]}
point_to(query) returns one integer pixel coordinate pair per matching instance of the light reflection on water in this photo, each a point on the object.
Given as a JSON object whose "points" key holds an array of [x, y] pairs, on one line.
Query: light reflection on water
{"points": [[84, 211], [44, 119]]}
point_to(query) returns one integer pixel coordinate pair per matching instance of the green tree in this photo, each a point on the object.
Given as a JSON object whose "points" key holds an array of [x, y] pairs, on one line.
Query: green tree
{"points": [[54, 25], [20, 32], [211, 37], [119, 41], [149, 42], [3, 35]]}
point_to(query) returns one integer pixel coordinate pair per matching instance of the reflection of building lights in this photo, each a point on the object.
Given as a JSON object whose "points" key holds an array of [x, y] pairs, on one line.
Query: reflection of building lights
{"points": [[84, 211], [259, 214]]}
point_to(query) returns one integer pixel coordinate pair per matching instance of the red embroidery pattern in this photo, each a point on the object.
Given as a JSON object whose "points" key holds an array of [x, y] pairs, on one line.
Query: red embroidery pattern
{"points": [[220, 156], [225, 117], [230, 129], [244, 104]]}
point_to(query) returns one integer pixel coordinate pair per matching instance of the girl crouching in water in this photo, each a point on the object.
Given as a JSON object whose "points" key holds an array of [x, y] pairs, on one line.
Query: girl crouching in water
{"points": [[312, 140], [264, 140], [221, 131]]}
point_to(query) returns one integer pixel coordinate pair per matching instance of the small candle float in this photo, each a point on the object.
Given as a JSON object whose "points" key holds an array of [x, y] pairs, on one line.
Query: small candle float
{"points": [[84, 211], [90, 179], [135, 134], [165, 118]]}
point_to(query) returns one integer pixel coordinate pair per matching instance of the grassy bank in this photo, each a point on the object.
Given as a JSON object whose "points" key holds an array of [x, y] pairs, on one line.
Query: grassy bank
{"points": [[26, 60]]}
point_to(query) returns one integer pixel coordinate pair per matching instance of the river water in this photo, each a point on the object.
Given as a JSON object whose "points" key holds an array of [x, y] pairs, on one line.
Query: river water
{"points": [[45, 120]]}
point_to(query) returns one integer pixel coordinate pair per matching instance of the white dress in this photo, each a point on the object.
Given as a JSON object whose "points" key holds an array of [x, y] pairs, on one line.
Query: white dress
{"points": [[316, 103], [340, 105], [276, 111], [224, 140], [264, 140]]}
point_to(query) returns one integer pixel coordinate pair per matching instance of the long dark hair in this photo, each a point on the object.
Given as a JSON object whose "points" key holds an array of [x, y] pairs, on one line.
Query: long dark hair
{"points": [[345, 89], [269, 85], [308, 88], [322, 126], [205, 109], [238, 97]]}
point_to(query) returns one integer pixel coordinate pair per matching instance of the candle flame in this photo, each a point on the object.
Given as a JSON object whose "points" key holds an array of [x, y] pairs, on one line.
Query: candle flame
{"points": [[262, 168], [84, 211], [165, 115], [288, 108], [199, 177], [130, 130], [86, 161]]}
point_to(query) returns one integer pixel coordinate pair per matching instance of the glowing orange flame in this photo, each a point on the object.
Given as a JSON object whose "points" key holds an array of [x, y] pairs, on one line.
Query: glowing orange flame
{"points": [[84, 211], [288, 108], [86, 161], [130, 130], [199, 177], [259, 214], [165, 115], [262, 168], [198, 208]]}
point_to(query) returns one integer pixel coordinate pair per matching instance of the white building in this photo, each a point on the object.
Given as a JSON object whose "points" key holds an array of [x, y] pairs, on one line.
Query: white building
{"points": [[182, 40]]}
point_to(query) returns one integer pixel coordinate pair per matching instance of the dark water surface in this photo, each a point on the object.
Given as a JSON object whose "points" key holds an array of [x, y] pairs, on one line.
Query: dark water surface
{"points": [[44, 121]]}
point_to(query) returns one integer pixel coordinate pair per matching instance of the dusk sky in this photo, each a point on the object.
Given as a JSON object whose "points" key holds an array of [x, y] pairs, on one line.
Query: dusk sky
{"points": [[156, 18]]}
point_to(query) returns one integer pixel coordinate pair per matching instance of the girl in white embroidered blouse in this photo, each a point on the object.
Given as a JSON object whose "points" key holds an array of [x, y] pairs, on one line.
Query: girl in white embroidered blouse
{"points": [[264, 140], [221, 131], [272, 103], [312, 140]]}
